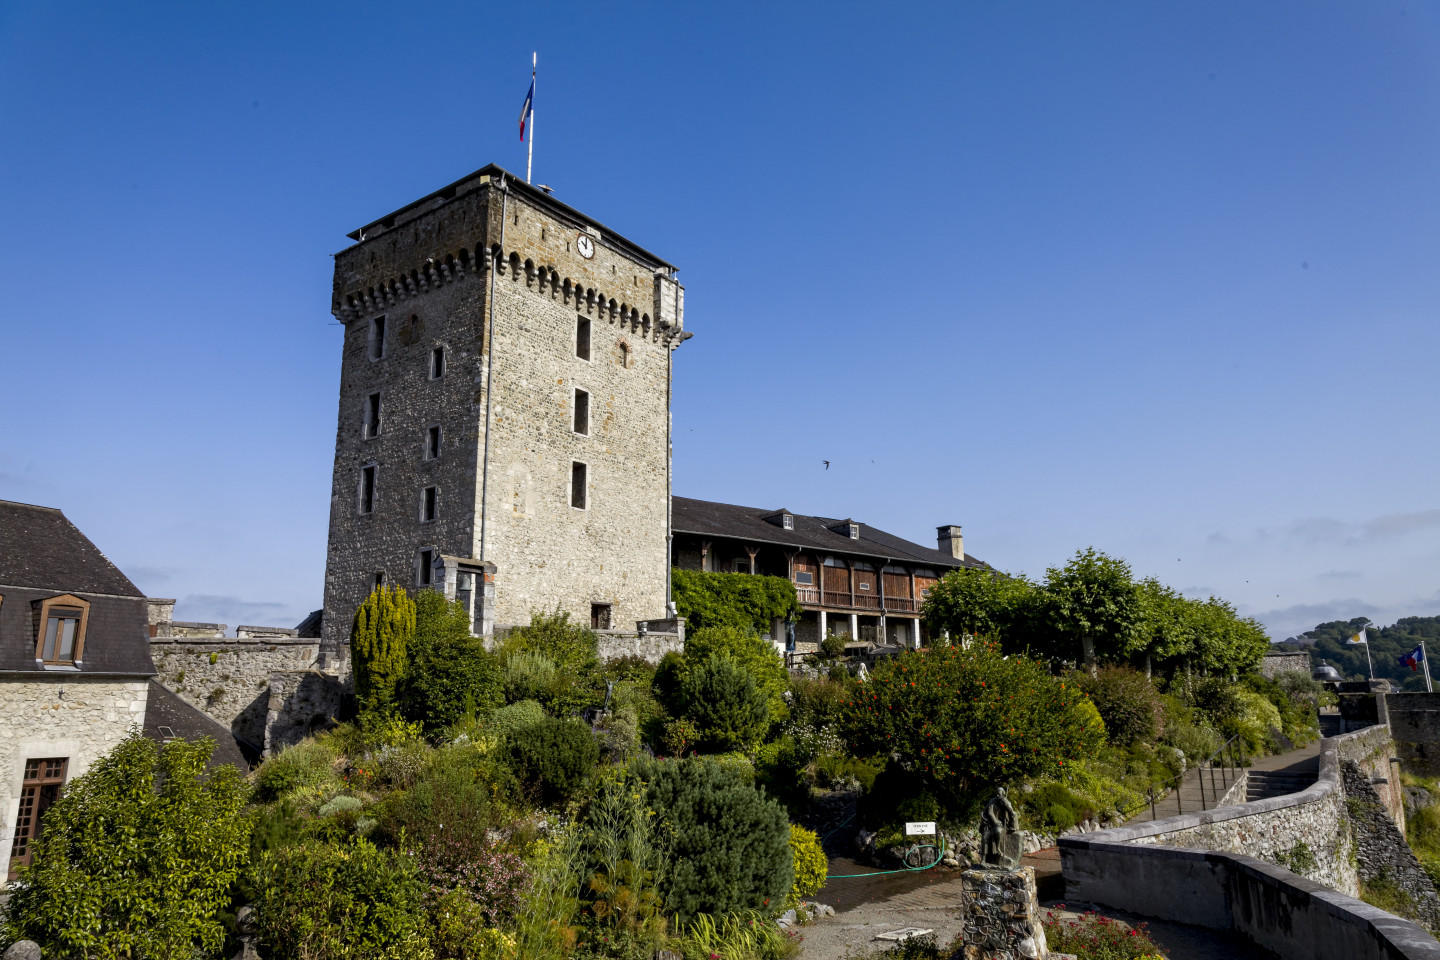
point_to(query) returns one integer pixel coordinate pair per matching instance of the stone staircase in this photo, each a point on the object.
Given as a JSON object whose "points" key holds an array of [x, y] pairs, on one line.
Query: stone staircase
{"points": [[1264, 784]]}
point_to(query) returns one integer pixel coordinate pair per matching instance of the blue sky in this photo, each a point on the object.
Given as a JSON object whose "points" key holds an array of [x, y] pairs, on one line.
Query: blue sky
{"points": [[1159, 278]]}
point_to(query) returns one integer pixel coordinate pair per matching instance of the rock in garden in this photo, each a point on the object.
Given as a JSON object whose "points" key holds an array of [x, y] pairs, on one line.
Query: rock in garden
{"points": [[23, 950]]}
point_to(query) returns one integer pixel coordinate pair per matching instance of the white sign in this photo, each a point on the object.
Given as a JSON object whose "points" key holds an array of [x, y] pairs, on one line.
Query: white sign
{"points": [[923, 829]]}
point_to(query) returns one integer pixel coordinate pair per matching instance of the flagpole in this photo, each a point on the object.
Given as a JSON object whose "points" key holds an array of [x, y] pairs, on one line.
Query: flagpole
{"points": [[530, 156], [1368, 660], [1425, 659]]}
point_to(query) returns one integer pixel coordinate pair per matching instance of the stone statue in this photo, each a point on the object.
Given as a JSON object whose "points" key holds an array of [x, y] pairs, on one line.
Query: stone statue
{"points": [[1000, 833]]}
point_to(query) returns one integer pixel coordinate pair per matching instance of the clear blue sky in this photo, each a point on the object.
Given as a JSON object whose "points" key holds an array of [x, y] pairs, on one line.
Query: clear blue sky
{"points": [[1160, 278]]}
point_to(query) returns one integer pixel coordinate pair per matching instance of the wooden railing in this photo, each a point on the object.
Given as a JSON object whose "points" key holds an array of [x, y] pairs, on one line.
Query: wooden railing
{"points": [[807, 594], [861, 601]]}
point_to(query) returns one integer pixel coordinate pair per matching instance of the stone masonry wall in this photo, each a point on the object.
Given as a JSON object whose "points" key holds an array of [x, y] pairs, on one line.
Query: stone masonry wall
{"points": [[1273, 664], [229, 679], [1384, 856], [548, 554], [300, 703], [78, 718], [1415, 722]]}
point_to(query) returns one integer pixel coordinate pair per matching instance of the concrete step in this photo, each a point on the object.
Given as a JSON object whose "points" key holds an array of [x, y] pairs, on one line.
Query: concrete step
{"points": [[1264, 784]]}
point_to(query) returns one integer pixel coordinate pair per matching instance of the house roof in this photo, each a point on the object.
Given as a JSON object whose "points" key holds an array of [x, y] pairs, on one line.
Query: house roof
{"points": [[41, 548], [754, 525], [168, 716]]}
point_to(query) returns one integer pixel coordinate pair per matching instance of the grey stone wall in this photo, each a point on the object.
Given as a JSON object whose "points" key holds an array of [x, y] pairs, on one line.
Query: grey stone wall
{"points": [[1384, 856], [650, 646], [229, 679], [1273, 664], [431, 276], [1415, 721], [299, 704], [79, 718]]}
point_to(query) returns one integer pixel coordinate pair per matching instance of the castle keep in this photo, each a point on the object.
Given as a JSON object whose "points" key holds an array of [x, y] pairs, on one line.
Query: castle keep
{"points": [[503, 431]]}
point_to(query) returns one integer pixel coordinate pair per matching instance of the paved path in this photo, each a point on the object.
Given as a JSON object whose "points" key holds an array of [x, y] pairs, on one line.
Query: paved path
{"points": [[1270, 776]]}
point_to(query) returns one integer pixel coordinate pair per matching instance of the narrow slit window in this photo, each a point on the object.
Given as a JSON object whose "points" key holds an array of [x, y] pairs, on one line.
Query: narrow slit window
{"points": [[577, 485], [367, 489], [379, 579], [582, 338], [437, 363], [429, 498], [372, 416], [426, 573], [582, 412], [377, 338], [432, 443]]}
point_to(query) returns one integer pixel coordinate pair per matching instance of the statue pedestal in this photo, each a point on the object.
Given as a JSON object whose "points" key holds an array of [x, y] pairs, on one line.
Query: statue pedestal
{"points": [[1002, 915]]}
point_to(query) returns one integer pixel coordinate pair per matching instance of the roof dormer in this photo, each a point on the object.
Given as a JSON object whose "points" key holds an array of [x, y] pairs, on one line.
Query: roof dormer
{"points": [[782, 518], [847, 528]]}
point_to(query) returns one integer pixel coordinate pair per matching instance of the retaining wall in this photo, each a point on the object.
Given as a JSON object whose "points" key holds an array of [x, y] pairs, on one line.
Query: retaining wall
{"points": [[1190, 869], [1415, 721]]}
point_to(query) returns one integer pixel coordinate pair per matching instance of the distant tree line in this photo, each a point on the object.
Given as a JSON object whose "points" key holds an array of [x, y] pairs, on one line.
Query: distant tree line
{"points": [[1329, 642], [1092, 610]]}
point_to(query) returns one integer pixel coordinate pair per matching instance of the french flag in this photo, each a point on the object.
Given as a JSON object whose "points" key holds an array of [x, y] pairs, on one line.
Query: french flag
{"points": [[527, 111]]}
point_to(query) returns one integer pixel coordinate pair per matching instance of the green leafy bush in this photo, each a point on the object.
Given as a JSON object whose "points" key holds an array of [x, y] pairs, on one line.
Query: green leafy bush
{"points": [[729, 844], [817, 703], [756, 654], [737, 600], [810, 864], [965, 720], [730, 711], [450, 675], [325, 902], [137, 858], [573, 646], [552, 758], [832, 647], [576, 681], [1128, 703], [309, 764], [529, 675]]}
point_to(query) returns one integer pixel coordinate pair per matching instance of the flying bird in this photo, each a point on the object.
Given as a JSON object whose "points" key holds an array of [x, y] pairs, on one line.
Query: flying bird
{"points": [[827, 464]]}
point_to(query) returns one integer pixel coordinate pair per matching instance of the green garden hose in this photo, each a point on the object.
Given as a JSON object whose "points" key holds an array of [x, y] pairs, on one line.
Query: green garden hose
{"points": [[939, 855]]}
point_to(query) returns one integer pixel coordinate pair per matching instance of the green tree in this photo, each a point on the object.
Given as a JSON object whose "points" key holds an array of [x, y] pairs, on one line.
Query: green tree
{"points": [[1095, 604], [1225, 641], [729, 710], [450, 674], [729, 844], [137, 857], [984, 603], [1169, 623], [552, 758], [383, 627], [740, 601], [965, 720], [756, 654]]}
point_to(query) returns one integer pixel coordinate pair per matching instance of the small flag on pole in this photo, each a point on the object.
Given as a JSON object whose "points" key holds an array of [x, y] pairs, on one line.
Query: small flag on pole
{"points": [[1358, 638], [1414, 658], [527, 111]]}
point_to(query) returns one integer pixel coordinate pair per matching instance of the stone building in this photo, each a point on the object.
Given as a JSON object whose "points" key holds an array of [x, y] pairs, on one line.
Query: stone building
{"points": [[850, 577], [504, 418], [75, 670]]}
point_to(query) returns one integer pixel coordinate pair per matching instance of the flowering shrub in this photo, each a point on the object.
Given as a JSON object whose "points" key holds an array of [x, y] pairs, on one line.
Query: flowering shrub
{"points": [[1096, 937], [488, 876]]}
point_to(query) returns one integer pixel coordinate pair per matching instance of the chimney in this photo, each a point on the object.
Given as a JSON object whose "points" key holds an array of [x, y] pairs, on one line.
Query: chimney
{"points": [[950, 540]]}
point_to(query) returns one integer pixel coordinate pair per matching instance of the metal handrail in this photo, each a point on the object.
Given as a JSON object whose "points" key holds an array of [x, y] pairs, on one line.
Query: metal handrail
{"points": [[1235, 747]]}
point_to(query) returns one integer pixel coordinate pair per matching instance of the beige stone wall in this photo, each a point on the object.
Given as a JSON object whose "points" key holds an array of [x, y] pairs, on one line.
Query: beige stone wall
{"points": [[548, 554], [230, 679], [77, 718]]}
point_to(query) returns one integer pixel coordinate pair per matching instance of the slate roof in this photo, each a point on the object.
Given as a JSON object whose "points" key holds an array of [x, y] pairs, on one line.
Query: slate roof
{"points": [[165, 708], [43, 554], [708, 519], [40, 547]]}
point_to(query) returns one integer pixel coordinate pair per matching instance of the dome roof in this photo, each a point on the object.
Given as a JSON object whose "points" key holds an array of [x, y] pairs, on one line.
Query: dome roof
{"points": [[1326, 673]]}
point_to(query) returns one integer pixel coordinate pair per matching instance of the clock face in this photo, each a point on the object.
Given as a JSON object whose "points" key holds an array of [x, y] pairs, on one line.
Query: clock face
{"points": [[586, 246]]}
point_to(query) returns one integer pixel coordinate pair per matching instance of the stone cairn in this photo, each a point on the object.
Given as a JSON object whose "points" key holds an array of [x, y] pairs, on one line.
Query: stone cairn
{"points": [[1002, 915]]}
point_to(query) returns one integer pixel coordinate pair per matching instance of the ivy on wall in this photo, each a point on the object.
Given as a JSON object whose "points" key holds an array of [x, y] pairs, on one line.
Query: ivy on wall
{"points": [[740, 600]]}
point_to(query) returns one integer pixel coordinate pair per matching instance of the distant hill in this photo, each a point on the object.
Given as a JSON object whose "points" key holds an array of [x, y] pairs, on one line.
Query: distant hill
{"points": [[1387, 644]]}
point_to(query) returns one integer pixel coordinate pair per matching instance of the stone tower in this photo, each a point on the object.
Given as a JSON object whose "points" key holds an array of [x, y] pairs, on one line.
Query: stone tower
{"points": [[504, 427]]}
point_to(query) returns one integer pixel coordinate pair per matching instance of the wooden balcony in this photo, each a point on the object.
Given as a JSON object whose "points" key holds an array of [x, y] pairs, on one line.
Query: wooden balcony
{"points": [[861, 602]]}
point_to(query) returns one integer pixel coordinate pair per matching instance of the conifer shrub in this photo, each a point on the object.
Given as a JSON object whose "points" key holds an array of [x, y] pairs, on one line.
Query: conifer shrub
{"points": [[730, 711], [552, 758], [810, 864], [1128, 702], [754, 653], [339, 902], [729, 844], [383, 627]]}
